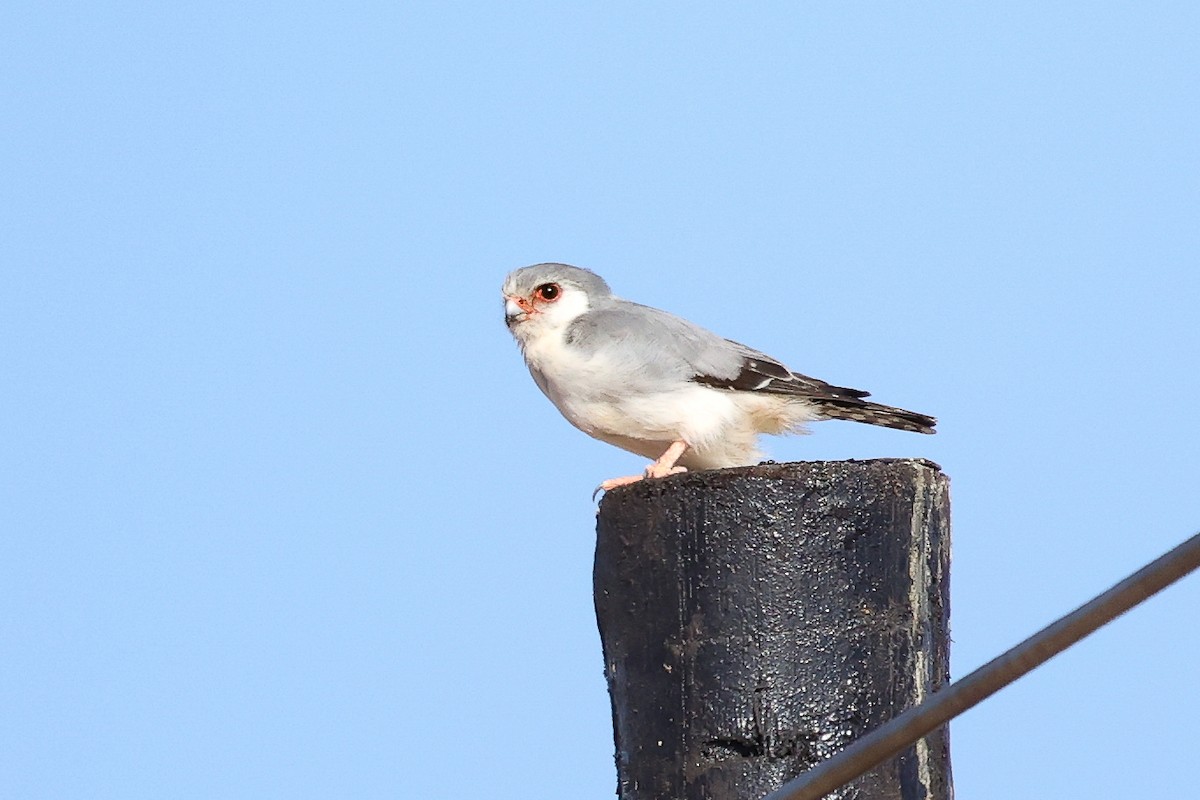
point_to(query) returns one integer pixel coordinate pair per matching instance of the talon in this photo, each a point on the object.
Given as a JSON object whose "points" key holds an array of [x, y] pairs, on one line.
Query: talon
{"points": [[613, 483], [655, 471], [661, 468]]}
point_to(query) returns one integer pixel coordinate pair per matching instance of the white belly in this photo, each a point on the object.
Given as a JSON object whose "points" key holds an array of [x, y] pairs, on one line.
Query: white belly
{"points": [[642, 415], [597, 399]]}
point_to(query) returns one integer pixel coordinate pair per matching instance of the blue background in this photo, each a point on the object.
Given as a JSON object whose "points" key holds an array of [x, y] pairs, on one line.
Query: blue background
{"points": [[284, 516]]}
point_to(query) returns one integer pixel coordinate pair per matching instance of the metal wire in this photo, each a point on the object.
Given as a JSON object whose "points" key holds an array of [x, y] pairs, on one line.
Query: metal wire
{"points": [[902, 731]]}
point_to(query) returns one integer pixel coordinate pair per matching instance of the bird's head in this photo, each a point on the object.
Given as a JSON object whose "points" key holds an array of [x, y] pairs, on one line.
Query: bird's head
{"points": [[547, 297]]}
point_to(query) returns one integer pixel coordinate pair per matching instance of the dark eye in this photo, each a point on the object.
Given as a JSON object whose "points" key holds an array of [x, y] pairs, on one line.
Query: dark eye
{"points": [[548, 291]]}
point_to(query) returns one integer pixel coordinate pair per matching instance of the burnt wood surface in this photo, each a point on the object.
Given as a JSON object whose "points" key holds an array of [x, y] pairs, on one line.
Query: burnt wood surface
{"points": [[756, 620]]}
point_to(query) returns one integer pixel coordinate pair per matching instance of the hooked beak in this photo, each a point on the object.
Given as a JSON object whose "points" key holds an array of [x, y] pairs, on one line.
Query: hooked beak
{"points": [[516, 309]]}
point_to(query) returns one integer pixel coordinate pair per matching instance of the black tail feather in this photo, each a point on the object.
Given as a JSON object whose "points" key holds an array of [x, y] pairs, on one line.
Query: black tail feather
{"points": [[874, 414]]}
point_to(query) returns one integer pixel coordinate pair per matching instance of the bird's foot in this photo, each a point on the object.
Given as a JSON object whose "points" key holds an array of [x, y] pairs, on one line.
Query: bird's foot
{"points": [[655, 470]]}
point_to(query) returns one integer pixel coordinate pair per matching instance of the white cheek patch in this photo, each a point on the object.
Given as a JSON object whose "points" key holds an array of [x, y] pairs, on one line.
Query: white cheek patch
{"points": [[566, 309], [542, 333]]}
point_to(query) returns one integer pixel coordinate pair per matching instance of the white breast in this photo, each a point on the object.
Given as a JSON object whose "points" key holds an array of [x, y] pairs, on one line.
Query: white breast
{"points": [[600, 398]]}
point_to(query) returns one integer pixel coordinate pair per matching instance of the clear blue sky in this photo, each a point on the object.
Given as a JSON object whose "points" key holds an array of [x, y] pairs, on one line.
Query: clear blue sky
{"points": [[284, 516]]}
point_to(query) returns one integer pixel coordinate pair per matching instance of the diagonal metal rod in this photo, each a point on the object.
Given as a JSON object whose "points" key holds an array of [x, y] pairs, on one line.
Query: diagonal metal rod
{"points": [[892, 737]]}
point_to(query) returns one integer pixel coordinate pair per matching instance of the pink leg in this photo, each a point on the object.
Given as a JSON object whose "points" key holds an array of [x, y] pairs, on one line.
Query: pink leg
{"points": [[664, 466]]}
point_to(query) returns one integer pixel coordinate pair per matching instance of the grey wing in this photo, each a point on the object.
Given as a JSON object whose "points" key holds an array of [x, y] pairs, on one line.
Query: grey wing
{"points": [[648, 349], [660, 345], [761, 373], [758, 372], [651, 346]]}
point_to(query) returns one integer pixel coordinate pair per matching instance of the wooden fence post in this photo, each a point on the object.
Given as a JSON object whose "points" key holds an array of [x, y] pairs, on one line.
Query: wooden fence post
{"points": [[756, 620]]}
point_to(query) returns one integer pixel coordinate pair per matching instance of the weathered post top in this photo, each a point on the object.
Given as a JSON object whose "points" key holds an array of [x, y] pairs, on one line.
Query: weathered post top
{"points": [[756, 620]]}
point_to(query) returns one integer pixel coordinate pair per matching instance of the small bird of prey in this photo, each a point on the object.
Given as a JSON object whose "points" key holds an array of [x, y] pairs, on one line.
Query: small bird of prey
{"points": [[657, 385]]}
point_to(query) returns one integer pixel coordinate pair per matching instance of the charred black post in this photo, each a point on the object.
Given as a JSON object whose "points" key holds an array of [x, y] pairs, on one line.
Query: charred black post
{"points": [[757, 620]]}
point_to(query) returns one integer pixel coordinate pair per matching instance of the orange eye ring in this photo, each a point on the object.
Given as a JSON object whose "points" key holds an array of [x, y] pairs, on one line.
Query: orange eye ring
{"points": [[548, 292]]}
